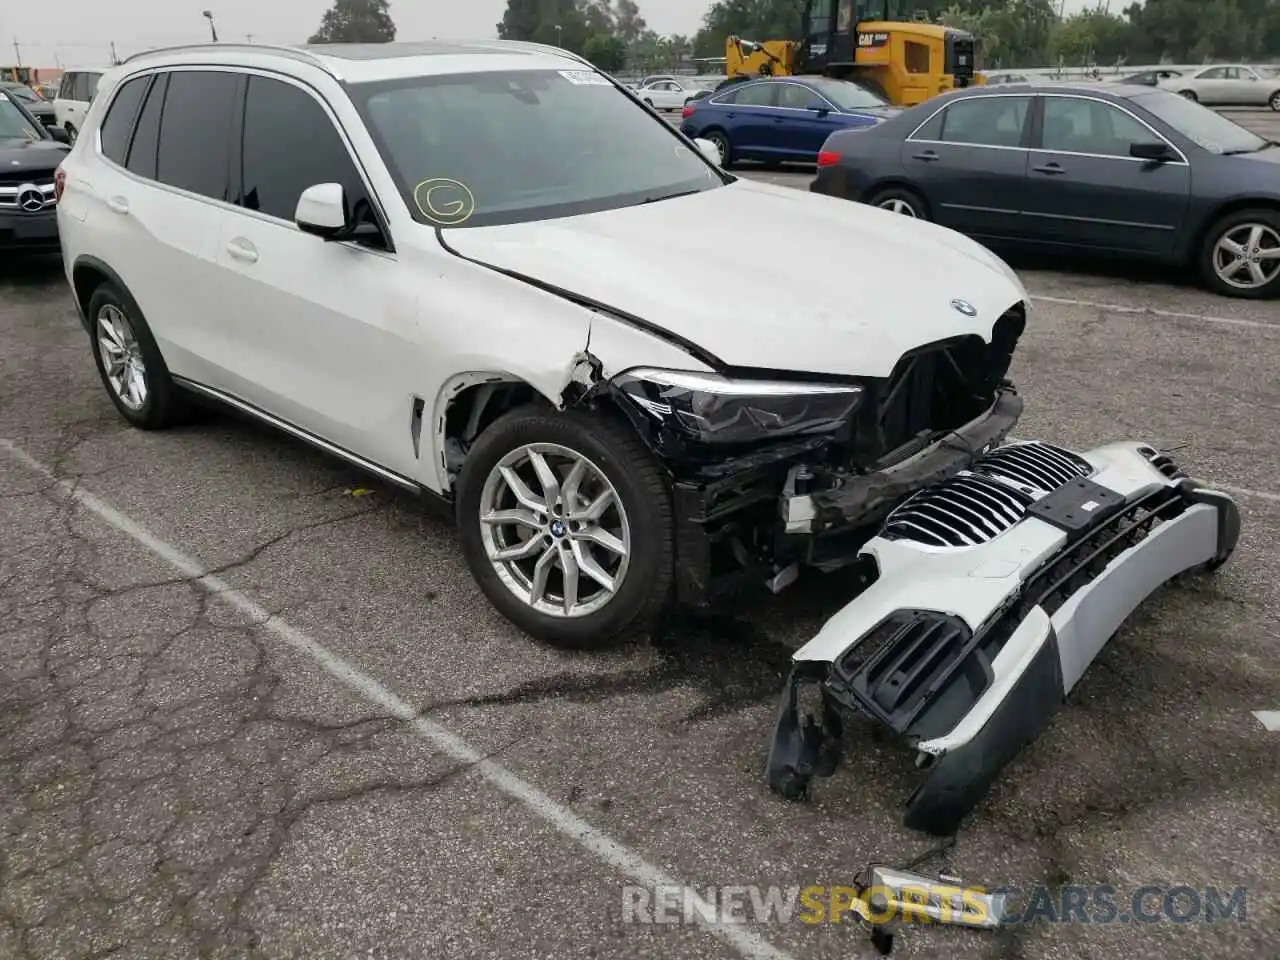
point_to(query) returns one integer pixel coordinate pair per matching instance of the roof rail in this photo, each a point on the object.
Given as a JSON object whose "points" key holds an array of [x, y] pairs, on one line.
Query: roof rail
{"points": [[294, 53], [531, 47]]}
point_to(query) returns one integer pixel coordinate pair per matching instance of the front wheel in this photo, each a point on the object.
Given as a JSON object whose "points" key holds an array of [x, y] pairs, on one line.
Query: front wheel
{"points": [[1241, 255], [1274, 102], [566, 524], [72, 133], [1191, 95], [723, 147]]}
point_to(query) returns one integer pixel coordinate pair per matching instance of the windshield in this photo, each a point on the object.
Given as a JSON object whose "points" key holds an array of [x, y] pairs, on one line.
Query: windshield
{"points": [[483, 149], [1204, 127], [23, 93], [13, 123], [847, 95]]}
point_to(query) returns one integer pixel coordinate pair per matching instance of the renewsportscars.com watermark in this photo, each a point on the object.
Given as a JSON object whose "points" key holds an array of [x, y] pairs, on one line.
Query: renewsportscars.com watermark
{"points": [[816, 904]]}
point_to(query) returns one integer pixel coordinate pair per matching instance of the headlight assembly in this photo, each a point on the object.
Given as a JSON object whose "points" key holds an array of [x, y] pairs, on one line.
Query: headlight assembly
{"points": [[713, 409]]}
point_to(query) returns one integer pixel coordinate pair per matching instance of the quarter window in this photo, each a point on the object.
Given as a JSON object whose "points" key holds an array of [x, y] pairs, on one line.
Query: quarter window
{"points": [[146, 134], [195, 132], [985, 121], [276, 112], [1073, 125], [118, 124]]}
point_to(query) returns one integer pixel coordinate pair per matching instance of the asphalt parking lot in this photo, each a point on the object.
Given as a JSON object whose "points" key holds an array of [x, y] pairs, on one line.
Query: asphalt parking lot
{"points": [[251, 704]]}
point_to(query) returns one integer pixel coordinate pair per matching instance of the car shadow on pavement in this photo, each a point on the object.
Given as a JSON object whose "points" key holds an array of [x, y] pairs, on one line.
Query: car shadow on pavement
{"points": [[30, 269]]}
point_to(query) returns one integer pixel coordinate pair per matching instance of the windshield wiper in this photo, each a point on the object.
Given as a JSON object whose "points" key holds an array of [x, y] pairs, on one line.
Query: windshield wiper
{"points": [[1267, 145], [668, 196]]}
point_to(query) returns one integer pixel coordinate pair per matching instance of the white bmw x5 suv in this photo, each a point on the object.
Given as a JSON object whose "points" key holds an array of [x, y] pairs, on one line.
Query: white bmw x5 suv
{"points": [[485, 272]]}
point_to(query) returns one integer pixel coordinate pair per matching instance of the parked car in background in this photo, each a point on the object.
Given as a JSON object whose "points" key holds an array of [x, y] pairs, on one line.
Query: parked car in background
{"points": [[1147, 78], [668, 94], [1115, 170], [29, 154], [75, 92], [34, 103], [784, 118], [1228, 85]]}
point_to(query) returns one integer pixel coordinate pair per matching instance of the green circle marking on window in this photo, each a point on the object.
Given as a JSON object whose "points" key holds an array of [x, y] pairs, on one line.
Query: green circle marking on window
{"points": [[444, 201]]}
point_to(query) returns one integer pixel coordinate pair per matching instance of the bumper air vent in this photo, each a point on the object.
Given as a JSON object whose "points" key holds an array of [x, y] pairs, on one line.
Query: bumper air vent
{"points": [[907, 662], [965, 511], [1163, 462], [1034, 468]]}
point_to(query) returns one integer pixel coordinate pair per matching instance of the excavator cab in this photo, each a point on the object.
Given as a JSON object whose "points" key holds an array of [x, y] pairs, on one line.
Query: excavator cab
{"points": [[878, 43]]}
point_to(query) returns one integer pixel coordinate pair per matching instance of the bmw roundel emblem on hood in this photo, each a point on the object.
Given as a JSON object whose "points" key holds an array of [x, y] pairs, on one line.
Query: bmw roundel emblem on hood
{"points": [[965, 307]]}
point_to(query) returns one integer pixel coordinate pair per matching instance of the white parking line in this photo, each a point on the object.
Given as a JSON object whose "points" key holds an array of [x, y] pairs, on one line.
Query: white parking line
{"points": [[626, 861], [1155, 312], [1270, 719]]}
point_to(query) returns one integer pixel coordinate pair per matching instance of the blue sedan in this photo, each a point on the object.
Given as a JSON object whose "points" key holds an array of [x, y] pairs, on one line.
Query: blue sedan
{"points": [[782, 118]]}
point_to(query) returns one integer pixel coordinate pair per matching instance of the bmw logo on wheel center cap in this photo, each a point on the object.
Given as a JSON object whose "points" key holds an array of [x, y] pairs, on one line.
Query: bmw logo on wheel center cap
{"points": [[557, 528], [965, 307]]}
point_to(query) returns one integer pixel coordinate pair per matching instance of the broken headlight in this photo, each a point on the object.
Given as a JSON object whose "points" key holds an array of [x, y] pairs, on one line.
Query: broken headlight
{"points": [[713, 409]]}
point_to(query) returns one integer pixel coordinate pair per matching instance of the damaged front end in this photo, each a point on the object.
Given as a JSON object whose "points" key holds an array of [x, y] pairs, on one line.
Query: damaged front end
{"points": [[772, 472], [993, 592]]}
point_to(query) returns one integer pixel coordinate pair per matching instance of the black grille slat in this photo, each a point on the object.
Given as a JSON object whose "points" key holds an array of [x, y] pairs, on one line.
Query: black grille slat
{"points": [[965, 511]]}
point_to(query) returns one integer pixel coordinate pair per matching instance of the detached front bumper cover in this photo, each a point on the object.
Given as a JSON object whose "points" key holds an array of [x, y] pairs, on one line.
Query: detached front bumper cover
{"points": [[996, 590]]}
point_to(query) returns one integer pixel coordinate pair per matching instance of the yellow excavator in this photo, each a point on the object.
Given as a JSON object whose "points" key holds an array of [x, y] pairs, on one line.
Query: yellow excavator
{"points": [[908, 61]]}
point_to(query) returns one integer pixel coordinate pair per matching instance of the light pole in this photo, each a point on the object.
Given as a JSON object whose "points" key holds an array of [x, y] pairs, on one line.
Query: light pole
{"points": [[213, 31]]}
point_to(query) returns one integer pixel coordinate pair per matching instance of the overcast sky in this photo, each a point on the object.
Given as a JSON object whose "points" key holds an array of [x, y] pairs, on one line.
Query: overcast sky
{"points": [[79, 31]]}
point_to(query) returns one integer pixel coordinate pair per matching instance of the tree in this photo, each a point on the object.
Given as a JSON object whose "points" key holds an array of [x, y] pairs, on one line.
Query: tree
{"points": [[749, 19], [356, 21], [607, 53], [630, 25], [562, 23]]}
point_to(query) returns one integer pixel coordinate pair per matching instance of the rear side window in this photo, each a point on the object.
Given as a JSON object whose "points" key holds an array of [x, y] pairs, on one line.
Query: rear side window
{"points": [[146, 135], [986, 121], [195, 132], [67, 89], [118, 124], [753, 95], [290, 143]]}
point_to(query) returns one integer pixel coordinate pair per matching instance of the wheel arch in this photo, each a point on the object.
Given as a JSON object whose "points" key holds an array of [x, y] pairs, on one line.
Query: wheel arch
{"points": [[1225, 209], [87, 274]]}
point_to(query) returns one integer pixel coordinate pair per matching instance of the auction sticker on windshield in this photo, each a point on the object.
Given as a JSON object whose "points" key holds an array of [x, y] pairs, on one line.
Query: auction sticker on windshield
{"points": [[585, 78]]}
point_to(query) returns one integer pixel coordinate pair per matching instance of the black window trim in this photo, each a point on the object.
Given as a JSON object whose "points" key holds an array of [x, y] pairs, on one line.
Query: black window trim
{"points": [[148, 81], [234, 175]]}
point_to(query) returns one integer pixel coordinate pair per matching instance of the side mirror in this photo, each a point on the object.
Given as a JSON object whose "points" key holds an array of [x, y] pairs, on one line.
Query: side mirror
{"points": [[709, 150], [1155, 151], [59, 134], [321, 210], [821, 109]]}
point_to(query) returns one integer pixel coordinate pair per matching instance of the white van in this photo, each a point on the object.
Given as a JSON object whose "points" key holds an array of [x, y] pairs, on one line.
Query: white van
{"points": [[75, 92]]}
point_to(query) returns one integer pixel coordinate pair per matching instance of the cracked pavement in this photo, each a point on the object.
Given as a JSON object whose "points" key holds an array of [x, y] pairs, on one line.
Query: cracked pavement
{"points": [[177, 782]]}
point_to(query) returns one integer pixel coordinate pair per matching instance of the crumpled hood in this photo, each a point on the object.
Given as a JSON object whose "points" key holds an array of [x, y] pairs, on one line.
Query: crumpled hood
{"points": [[766, 276]]}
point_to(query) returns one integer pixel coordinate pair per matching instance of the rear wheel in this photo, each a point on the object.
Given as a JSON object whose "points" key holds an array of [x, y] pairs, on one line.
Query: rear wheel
{"points": [[1241, 255], [129, 362], [1274, 102], [721, 140], [902, 200], [72, 133], [1190, 95], [566, 524]]}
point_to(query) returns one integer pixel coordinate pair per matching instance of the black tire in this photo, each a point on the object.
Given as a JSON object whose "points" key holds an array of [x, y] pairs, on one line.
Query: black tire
{"points": [[646, 588], [1190, 95], [164, 405], [1274, 101], [721, 140], [1269, 219], [901, 195], [72, 133]]}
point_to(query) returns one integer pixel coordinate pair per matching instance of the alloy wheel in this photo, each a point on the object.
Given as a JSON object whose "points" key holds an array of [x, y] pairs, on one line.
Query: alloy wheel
{"points": [[122, 360], [555, 530], [1247, 256], [898, 205], [1275, 101]]}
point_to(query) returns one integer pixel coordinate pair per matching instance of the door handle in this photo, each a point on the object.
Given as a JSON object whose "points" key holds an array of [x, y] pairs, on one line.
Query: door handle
{"points": [[1051, 169], [118, 205], [731, 116], [242, 249], [928, 156]]}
